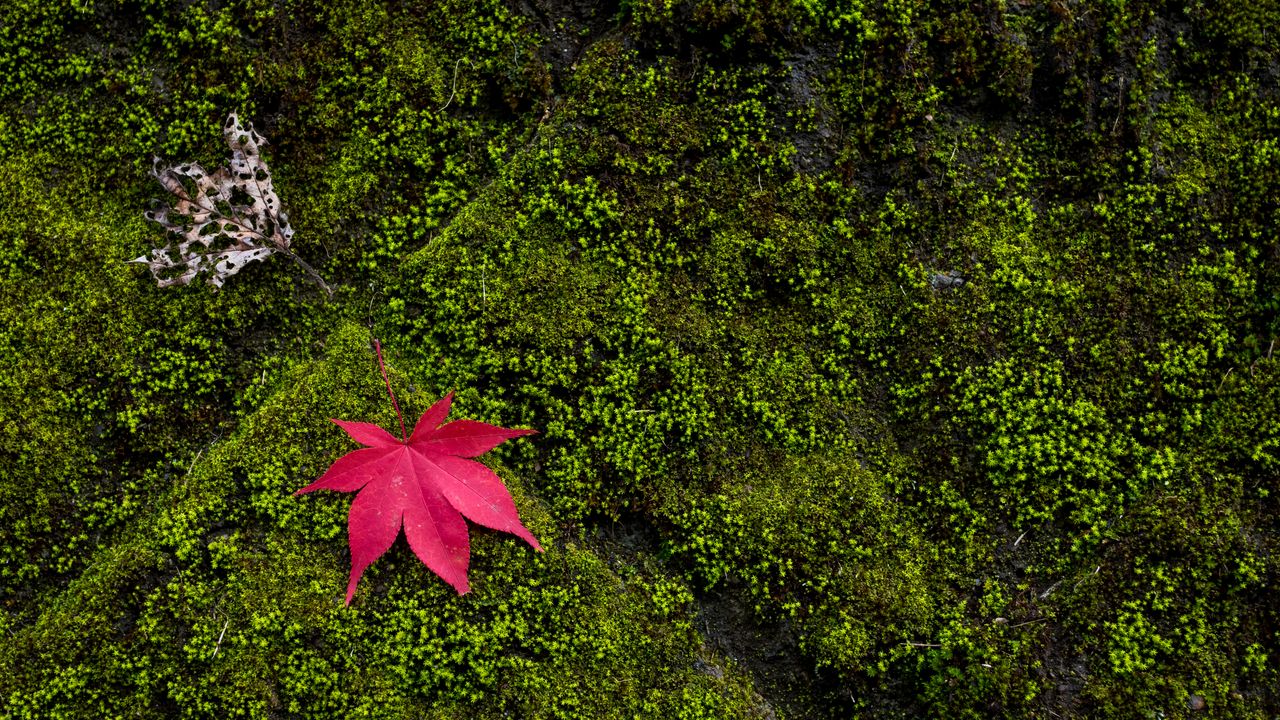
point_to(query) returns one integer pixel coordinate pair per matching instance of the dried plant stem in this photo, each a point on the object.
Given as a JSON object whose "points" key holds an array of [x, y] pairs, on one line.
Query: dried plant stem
{"points": [[280, 245], [306, 267], [377, 347]]}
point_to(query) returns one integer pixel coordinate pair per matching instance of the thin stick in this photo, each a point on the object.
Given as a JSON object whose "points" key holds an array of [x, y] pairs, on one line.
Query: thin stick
{"points": [[1120, 113], [1224, 379], [192, 466], [453, 90], [306, 267], [276, 242], [1049, 592], [377, 347], [218, 645]]}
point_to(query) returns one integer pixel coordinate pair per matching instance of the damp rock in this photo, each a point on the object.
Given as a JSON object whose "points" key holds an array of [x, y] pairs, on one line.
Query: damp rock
{"points": [[946, 280]]}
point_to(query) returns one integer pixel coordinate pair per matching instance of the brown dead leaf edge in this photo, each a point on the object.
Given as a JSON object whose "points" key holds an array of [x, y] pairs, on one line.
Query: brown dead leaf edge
{"points": [[221, 221]]}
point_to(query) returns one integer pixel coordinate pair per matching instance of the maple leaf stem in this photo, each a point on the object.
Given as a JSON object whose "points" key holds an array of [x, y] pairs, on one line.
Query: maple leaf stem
{"points": [[377, 347]]}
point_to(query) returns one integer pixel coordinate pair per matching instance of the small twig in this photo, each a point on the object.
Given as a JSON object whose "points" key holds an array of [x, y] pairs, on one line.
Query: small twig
{"points": [[1224, 379], [218, 645], [377, 347], [1120, 112], [306, 267], [1019, 540], [1051, 588], [922, 645], [1095, 572], [192, 466], [277, 243], [454, 88], [368, 312], [281, 244]]}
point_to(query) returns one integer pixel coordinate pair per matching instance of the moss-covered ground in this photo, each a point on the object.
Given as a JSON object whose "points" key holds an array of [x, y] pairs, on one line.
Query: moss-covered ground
{"points": [[892, 359]]}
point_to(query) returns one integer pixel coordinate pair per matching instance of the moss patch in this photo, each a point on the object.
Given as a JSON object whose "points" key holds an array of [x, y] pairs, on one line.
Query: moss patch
{"points": [[925, 353]]}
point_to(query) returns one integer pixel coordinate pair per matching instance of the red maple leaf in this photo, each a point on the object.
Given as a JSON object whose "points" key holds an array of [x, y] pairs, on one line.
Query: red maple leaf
{"points": [[425, 483]]}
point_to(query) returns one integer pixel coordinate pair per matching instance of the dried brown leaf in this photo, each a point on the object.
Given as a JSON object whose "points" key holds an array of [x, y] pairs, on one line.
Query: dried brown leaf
{"points": [[218, 222]]}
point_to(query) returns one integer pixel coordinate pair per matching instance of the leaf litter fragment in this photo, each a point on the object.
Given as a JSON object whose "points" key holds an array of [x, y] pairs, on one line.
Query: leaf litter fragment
{"points": [[221, 221]]}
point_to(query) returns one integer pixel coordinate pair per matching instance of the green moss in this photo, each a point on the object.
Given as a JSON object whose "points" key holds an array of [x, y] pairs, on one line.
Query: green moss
{"points": [[933, 346], [244, 614]]}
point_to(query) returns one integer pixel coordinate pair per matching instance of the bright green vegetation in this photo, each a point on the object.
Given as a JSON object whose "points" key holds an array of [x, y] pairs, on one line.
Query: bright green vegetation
{"points": [[890, 359]]}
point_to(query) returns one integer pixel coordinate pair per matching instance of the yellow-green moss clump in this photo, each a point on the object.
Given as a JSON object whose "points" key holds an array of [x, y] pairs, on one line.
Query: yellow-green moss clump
{"points": [[890, 360], [225, 598]]}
